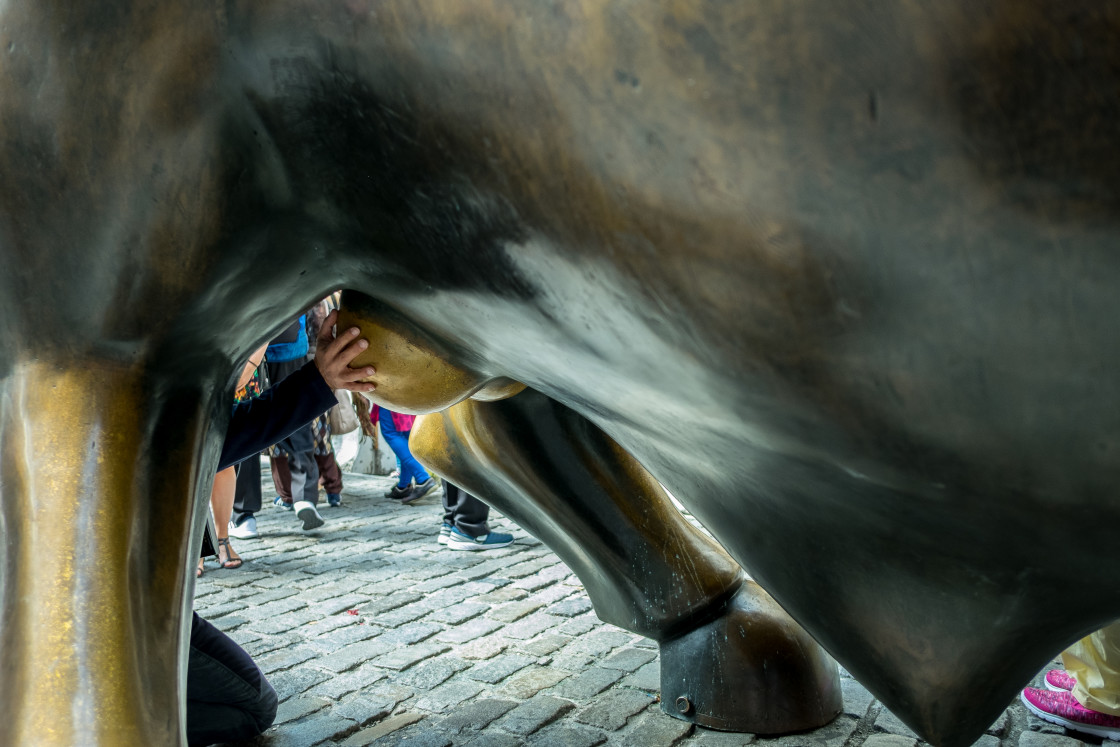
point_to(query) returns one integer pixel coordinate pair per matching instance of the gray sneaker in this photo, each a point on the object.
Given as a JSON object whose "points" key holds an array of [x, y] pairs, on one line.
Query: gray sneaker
{"points": [[421, 490], [246, 529], [308, 514]]}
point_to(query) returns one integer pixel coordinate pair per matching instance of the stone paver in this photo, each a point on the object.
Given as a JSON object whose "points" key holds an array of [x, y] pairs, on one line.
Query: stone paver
{"points": [[629, 659], [891, 724], [535, 713], [836, 733], [373, 634], [587, 684], [890, 740], [646, 678], [497, 669], [478, 714], [448, 695], [529, 682], [565, 735], [388, 726], [614, 709], [856, 698], [297, 708]]}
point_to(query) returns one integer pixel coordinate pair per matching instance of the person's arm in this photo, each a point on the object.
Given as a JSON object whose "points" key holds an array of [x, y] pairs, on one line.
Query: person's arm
{"points": [[299, 398], [279, 411]]}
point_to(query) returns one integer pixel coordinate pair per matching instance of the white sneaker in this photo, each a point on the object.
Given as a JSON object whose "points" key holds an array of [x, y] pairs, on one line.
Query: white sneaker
{"points": [[308, 514], [246, 530]]}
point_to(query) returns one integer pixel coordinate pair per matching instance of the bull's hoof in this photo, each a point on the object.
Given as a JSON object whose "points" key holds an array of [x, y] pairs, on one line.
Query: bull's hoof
{"points": [[750, 669]]}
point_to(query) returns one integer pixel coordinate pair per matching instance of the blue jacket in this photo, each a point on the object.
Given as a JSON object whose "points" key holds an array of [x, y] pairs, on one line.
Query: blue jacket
{"points": [[291, 349]]}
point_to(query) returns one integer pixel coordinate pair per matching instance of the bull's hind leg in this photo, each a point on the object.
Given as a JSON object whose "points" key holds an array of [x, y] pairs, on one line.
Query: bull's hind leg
{"points": [[730, 656]]}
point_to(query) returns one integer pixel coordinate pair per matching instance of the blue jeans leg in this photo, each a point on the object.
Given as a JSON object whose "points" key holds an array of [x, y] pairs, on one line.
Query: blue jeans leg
{"points": [[398, 442], [228, 696]]}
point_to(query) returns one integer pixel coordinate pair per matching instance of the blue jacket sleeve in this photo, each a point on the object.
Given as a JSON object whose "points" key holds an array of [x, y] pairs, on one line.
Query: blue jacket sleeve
{"points": [[276, 414]]}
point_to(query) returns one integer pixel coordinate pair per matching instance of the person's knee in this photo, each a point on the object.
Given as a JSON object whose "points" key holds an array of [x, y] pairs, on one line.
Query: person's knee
{"points": [[215, 722], [265, 712]]}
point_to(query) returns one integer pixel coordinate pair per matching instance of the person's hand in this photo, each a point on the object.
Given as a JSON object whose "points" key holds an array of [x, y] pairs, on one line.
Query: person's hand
{"points": [[334, 354]]}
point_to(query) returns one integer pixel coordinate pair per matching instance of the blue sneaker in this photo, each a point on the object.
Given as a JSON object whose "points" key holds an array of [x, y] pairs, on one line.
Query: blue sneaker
{"points": [[281, 503], [458, 540], [444, 533], [334, 500]]}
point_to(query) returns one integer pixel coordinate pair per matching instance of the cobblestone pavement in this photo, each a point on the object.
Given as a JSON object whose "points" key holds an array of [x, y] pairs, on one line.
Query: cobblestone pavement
{"points": [[373, 634]]}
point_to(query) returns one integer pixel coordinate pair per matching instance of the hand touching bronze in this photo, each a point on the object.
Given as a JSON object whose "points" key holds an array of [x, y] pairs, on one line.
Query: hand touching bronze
{"points": [[333, 356]]}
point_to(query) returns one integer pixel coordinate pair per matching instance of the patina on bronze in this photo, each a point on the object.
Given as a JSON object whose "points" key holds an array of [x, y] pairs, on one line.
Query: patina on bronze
{"points": [[726, 646], [841, 276]]}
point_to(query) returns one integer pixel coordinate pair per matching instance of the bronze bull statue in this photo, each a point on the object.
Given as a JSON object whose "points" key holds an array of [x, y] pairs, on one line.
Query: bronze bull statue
{"points": [[841, 275]]}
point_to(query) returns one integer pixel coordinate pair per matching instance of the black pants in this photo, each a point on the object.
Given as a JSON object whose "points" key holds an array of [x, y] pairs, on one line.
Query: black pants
{"points": [[463, 510], [228, 696], [247, 498]]}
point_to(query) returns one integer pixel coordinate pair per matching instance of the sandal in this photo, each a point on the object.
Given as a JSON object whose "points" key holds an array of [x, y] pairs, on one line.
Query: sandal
{"points": [[198, 571], [226, 554]]}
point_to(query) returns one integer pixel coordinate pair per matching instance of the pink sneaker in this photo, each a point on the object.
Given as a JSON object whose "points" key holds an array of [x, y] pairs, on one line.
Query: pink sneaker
{"points": [[1060, 708], [1059, 679]]}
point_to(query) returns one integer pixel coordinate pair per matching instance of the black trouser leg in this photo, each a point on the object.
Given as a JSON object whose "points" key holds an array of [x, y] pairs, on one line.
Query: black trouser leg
{"points": [[463, 510], [248, 498], [228, 696]]}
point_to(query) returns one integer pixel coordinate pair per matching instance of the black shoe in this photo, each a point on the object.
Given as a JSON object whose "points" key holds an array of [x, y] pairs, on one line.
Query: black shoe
{"points": [[398, 493], [421, 490]]}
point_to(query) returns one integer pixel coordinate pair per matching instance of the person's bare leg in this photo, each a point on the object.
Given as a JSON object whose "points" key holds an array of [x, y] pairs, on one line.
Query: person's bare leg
{"points": [[221, 503]]}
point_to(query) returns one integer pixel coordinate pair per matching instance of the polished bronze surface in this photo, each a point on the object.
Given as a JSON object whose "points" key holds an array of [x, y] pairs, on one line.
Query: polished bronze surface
{"points": [[645, 568], [95, 540], [751, 668], [726, 646], [412, 374], [841, 275]]}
